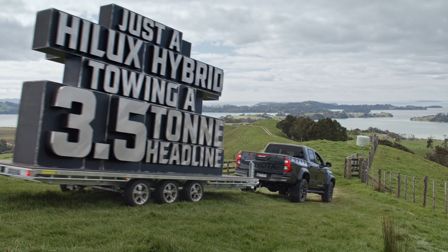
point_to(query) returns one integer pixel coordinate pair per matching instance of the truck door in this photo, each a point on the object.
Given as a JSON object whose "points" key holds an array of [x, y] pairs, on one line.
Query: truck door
{"points": [[322, 169], [315, 170]]}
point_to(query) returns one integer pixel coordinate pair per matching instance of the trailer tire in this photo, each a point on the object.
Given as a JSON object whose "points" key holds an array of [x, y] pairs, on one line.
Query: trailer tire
{"points": [[249, 189], [167, 191], [193, 191], [137, 192], [298, 191], [71, 188]]}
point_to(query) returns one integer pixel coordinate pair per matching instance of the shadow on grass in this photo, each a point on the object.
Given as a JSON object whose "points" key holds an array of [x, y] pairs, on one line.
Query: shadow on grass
{"points": [[234, 196], [69, 200], [283, 198], [90, 199]]}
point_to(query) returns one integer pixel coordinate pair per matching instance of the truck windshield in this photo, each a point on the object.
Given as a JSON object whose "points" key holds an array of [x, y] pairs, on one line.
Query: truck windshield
{"points": [[294, 151]]}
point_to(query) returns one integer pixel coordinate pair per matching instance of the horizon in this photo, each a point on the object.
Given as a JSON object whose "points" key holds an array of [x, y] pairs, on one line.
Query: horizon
{"points": [[248, 103]]}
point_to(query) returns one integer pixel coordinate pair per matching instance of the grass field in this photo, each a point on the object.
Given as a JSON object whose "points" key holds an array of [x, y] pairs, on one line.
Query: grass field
{"points": [[418, 146], [7, 133], [37, 217]]}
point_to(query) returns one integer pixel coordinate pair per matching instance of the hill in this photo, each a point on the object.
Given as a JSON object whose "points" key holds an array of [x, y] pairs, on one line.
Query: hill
{"points": [[299, 108], [440, 117], [37, 216], [9, 108]]}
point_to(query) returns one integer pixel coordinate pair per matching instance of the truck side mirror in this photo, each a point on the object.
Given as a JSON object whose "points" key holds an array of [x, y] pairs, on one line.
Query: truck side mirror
{"points": [[328, 164]]}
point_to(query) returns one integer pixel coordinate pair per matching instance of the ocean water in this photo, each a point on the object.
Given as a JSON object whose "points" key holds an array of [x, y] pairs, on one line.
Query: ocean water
{"points": [[400, 123], [8, 120]]}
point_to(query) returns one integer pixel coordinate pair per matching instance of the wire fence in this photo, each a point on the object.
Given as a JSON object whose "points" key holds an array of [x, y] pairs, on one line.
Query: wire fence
{"points": [[422, 190]]}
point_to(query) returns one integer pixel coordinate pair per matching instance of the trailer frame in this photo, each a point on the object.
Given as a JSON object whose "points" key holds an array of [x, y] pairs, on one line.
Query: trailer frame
{"points": [[120, 181]]}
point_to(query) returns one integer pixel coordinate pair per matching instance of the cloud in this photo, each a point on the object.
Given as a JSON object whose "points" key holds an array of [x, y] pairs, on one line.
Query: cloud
{"points": [[283, 50]]}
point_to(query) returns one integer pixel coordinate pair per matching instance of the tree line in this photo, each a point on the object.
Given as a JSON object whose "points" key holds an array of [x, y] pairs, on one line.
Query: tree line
{"points": [[304, 129]]}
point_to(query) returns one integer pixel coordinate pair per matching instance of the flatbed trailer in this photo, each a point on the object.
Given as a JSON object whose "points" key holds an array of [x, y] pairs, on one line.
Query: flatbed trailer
{"points": [[136, 188]]}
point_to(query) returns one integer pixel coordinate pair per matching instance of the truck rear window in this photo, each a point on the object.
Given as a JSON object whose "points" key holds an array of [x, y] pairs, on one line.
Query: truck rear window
{"points": [[294, 151]]}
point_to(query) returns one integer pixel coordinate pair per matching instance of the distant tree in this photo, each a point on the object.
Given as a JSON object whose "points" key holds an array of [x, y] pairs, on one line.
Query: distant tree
{"points": [[429, 142], [328, 129], [301, 129], [439, 155], [4, 147], [286, 124], [304, 129]]}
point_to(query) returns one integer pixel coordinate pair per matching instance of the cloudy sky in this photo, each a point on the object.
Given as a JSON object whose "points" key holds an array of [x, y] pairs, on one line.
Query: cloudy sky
{"points": [[346, 51]]}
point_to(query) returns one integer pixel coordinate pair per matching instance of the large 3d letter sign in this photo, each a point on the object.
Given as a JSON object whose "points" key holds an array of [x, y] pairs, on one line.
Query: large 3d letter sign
{"points": [[131, 98]]}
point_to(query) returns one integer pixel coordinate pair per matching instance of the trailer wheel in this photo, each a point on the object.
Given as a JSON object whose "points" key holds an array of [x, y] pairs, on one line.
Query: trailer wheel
{"points": [[167, 192], [137, 193], [193, 191], [71, 188]]}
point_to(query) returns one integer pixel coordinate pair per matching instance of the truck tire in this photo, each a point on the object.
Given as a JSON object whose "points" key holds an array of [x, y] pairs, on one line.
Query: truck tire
{"points": [[137, 192], [328, 194], [193, 191], [298, 191], [167, 192]]}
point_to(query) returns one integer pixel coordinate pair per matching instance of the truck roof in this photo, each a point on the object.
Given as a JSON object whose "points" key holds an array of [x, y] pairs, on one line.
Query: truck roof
{"points": [[295, 145]]}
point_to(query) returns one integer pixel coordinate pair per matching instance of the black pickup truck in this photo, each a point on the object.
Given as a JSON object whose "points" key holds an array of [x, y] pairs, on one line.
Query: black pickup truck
{"points": [[291, 170]]}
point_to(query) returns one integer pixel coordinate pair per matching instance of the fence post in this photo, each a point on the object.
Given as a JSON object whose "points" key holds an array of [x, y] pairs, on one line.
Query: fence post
{"points": [[398, 185], [433, 195], [446, 200], [425, 190], [413, 189], [390, 182], [367, 173], [384, 180], [379, 181], [348, 168], [228, 168], [405, 187]]}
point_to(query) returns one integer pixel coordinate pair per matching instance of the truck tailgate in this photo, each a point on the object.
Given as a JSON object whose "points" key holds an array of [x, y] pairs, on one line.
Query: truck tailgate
{"points": [[263, 162]]}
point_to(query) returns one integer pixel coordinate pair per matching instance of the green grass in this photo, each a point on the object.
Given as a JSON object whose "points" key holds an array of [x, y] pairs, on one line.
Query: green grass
{"points": [[271, 125], [419, 145], [38, 217], [7, 133], [5, 156]]}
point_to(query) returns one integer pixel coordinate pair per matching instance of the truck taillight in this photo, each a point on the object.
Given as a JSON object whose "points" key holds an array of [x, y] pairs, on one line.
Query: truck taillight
{"points": [[287, 165], [238, 159]]}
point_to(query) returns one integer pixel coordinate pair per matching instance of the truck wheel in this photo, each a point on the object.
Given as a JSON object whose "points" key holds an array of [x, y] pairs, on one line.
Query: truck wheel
{"points": [[137, 193], [193, 191], [298, 191], [167, 192], [328, 194]]}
